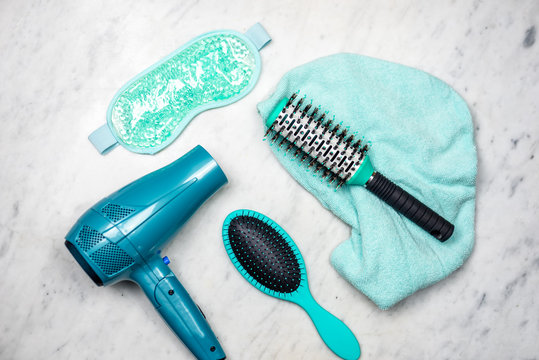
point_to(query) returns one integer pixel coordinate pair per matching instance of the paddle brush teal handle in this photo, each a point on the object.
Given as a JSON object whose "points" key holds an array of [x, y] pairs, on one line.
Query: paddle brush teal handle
{"points": [[335, 334], [269, 259]]}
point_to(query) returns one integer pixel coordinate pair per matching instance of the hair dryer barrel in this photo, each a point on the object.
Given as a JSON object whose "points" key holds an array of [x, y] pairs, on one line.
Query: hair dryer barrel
{"points": [[167, 198]]}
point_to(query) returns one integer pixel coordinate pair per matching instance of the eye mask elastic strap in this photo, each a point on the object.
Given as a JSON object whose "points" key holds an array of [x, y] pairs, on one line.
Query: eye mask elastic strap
{"points": [[104, 140], [258, 36]]}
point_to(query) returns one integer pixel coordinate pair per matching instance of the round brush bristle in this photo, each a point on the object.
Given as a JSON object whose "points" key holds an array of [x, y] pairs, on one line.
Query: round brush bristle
{"points": [[317, 140]]}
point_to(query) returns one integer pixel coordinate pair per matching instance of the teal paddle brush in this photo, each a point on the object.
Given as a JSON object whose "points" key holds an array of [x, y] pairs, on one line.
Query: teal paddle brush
{"points": [[269, 259]]}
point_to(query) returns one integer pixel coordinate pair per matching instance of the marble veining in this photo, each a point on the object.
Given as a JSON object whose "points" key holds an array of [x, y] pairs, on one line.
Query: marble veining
{"points": [[63, 61]]}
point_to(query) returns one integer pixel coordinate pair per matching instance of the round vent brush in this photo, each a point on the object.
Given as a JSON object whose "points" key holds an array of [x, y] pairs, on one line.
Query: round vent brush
{"points": [[341, 159], [268, 258]]}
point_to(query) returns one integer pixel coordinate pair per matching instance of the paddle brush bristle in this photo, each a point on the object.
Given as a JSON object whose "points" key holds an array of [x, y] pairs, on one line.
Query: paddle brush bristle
{"points": [[262, 250]]}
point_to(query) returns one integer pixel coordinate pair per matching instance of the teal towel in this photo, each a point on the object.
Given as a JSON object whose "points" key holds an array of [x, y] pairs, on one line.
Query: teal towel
{"points": [[422, 138]]}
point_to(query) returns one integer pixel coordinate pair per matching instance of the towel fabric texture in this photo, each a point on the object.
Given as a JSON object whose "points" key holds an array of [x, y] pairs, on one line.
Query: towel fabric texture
{"points": [[421, 137]]}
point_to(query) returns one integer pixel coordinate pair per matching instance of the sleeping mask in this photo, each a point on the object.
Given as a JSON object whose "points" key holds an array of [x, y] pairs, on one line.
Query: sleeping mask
{"points": [[212, 70]]}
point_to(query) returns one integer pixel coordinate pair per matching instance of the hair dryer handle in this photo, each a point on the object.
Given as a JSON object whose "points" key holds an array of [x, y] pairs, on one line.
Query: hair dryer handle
{"points": [[177, 308]]}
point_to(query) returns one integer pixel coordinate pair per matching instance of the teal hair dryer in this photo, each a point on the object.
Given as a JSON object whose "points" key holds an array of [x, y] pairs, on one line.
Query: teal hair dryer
{"points": [[121, 237]]}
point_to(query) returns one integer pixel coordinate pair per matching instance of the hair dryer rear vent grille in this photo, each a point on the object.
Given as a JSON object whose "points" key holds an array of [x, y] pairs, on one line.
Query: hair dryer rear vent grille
{"points": [[116, 212], [88, 238], [111, 259]]}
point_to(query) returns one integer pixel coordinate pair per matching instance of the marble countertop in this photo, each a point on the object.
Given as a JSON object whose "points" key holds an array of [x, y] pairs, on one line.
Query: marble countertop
{"points": [[61, 63]]}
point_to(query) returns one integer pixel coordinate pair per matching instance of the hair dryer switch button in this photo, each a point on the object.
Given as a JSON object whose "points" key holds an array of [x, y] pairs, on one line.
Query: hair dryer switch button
{"points": [[166, 260]]}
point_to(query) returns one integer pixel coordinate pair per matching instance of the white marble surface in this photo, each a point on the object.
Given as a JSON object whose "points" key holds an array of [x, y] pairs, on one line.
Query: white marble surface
{"points": [[62, 61]]}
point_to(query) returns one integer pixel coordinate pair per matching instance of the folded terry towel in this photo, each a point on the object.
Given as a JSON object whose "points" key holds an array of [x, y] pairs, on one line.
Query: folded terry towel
{"points": [[422, 138]]}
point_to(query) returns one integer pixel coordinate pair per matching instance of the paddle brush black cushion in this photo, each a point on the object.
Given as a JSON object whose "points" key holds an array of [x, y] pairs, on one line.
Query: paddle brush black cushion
{"points": [[264, 253]]}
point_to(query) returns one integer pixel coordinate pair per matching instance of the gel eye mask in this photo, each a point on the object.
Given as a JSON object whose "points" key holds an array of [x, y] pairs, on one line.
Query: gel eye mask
{"points": [[212, 70]]}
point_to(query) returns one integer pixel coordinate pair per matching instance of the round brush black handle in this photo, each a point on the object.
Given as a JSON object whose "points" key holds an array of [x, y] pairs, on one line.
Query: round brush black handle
{"points": [[410, 207]]}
